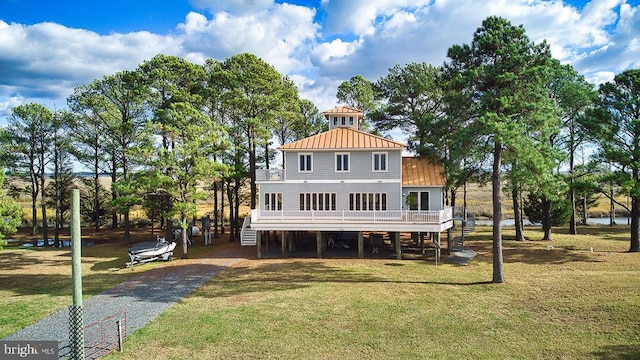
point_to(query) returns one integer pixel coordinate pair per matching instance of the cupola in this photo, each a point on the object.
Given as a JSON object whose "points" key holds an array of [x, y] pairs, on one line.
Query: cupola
{"points": [[344, 117]]}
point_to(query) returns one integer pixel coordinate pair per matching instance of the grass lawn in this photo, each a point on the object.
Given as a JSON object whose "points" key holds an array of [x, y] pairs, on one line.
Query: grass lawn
{"points": [[560, 301], [36, 282]]}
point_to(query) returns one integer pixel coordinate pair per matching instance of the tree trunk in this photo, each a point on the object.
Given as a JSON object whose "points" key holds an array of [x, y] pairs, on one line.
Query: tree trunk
{"points": [[236, 210], [35, 189], [584, 210], [125, 177], [57, 195], [498, 266], [546, 218], [96, 192], [635, 225], [573, 229], [43, 205], [215, 210], [252, 172], [184, 236], [612, 208], [114, 196], [266, 155], [517, 218], [232, 234], [222, 229]]}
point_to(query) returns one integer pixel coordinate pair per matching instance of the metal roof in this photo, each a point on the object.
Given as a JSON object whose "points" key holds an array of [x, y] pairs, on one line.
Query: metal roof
{"points": [[421, 172], [343, 110], [343, 138]]}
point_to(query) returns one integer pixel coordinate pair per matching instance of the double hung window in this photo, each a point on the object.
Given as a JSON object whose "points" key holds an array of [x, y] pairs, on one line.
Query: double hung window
{"points": [[380, 161], [342, 162], [305, 162]]}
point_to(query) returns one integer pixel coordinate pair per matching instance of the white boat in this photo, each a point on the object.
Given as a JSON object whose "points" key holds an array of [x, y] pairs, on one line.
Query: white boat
{"points": [[151, 251]]}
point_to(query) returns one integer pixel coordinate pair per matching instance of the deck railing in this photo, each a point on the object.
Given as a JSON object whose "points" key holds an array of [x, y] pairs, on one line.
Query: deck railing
{"points": [[388, 216], [269, 175]]}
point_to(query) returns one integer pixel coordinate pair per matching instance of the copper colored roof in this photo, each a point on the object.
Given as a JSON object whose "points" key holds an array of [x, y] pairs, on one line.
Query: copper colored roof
{"points": [[421, 172], [343, 138], [343, 110]]}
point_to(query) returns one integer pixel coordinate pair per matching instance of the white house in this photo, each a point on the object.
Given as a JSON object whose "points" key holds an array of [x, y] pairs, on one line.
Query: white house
{"points": [[347, 180]]}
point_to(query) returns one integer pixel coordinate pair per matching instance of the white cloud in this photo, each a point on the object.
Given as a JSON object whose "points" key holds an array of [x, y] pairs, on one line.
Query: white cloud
{"points": [[361, 16], [8, 104], [233, 6], [48, 59], [279, 35], [358, 37]]}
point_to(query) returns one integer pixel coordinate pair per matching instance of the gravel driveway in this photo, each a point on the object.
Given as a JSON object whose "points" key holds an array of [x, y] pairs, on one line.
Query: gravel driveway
{"points": [[143, 297]]}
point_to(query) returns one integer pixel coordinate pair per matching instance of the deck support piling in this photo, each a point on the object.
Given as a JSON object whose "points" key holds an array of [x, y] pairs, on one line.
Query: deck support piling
{"points": [[360, 245], [283, 243], [396, 236], [436, 241], [319, 242], [259, 244]]}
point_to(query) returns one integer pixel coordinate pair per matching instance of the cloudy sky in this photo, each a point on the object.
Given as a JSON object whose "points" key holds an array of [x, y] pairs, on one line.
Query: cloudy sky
{"points": [[49, 47]]}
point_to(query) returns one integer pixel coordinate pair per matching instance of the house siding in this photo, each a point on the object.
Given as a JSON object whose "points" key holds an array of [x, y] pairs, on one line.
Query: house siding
{"points": [[361, 166], [291, 192], [435, 196]]}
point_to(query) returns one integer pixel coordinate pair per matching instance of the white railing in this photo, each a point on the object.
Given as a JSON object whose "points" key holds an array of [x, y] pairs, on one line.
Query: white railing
{"points": [[389, 216], [269, 175], [245, 224]]}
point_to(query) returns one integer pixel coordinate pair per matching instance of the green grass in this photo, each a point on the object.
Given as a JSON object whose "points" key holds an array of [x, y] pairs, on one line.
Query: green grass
{"points": [[36, 282], [564, 302]]}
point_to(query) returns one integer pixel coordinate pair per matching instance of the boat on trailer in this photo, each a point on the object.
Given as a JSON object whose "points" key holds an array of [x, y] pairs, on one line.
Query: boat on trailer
{"points": [[151, 251]]}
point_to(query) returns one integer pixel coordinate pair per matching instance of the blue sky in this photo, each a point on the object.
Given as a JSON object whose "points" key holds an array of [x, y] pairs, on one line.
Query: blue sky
{"points": [[49, 47]]}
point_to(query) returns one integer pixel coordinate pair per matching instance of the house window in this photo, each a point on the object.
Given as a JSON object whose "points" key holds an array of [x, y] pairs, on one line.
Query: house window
{"points": [[273, 201], [368, 201], [335, 121], [305, 163], [380, 162], [350, 120], [342, 162], [344, 120], [418, 200], [317, 201]]}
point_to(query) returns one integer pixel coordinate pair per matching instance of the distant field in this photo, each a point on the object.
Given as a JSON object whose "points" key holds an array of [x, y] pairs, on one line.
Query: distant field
{"points": [[479, 201]]}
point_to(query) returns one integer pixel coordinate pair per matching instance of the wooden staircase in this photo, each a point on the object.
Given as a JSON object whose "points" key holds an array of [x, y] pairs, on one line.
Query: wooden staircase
{"points": [[247, 234]]}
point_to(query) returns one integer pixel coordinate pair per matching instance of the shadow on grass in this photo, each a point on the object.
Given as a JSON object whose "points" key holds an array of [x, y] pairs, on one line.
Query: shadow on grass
{"points": [[299, 275], [23, 259], [529, 252], [57, 285], [16, 260], [618, 352]]}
